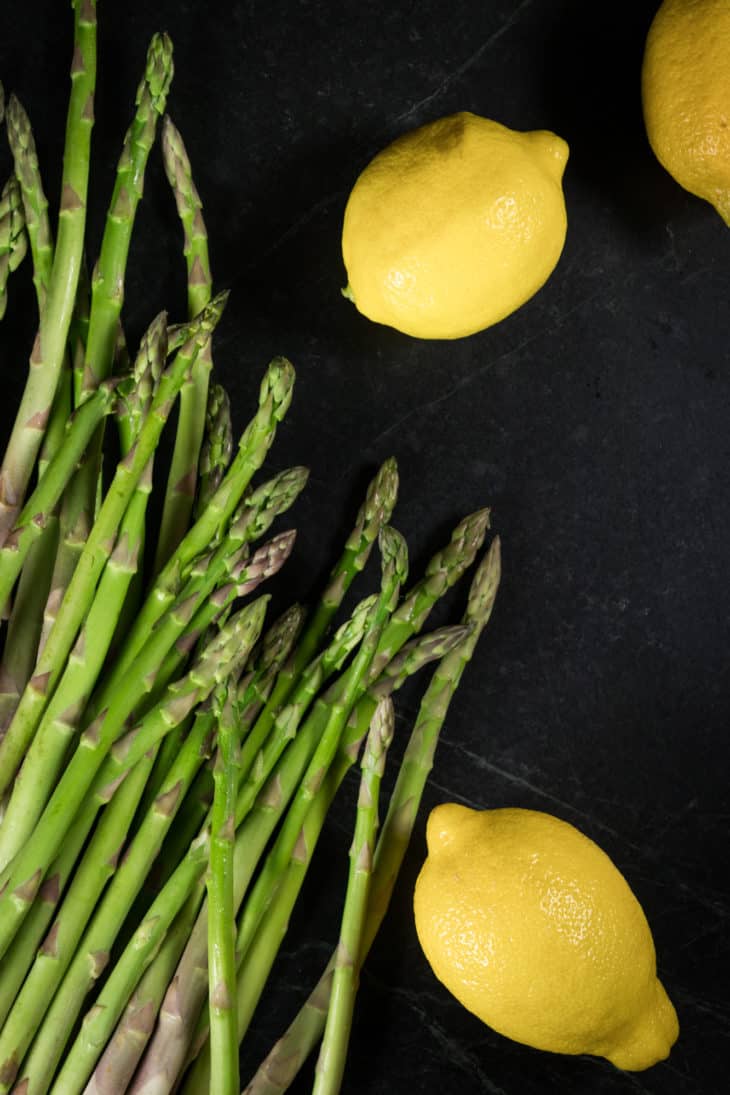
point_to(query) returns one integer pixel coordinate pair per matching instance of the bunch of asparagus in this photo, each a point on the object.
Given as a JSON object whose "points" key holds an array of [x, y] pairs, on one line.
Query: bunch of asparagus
{"points": [[168, 756]]}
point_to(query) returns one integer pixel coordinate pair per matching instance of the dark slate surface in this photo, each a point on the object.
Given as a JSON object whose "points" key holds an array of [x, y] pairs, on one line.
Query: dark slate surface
{"points": [[595, 422]]}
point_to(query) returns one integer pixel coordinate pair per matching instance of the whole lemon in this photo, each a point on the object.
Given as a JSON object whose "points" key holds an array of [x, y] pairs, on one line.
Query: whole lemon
{"points": [[533, 929], [454, 226], [686, 96]]}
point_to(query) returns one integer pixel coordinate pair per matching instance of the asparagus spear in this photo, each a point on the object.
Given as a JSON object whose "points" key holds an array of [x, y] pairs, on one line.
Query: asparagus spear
{"points": [[373, 514], [221, 658], [180, 490], [331, 1063], [142, 947], [258, 766], [47, 355], [165, 1052], [20, 881], [25, 623], [253, 517], [395, 568], [13, 238], [221, 916], [117, 1064], [34, 515], [280, 1068], [265, 945], [35, 203], [267, 938], [103, 1019], [274, 399], [217, 448], [53, 957], [26, 619], [96, 552], [252, 693], [343, 642], [107, 282]]}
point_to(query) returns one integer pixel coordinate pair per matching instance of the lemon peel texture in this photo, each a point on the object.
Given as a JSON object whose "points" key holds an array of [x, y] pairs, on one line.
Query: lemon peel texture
{"points": [[685, 85], [455, 225], [534, 930]]}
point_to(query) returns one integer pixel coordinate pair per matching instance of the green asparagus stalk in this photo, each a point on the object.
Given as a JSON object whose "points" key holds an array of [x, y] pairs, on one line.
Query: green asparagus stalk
{"points": [[221, 915], [19, 959], [280, 1068], [374, 513], [266, 940], [252, 693], [180, 491], [32, 519], [107, 282], [53, 957], [13, 238], [110, 915], [166, 1051], [346, 638], [253, 517], [229, 649], [217, 448], [331, 1064], [50, 344], [35, 203], [274, 400], [26, 622], [98, 864], [118, 1062], [273, 872], [95, 555], [443, 570], [20, 880], [395, 567], [373, 516], [26, 619], [121, 983], [255, 970], [259, 765]]}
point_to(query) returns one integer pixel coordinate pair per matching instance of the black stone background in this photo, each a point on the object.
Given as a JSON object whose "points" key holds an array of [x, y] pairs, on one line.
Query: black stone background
{"points": [[595, 422]]}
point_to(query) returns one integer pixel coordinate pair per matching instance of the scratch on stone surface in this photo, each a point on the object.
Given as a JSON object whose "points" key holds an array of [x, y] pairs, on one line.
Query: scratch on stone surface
{"points": [[634, 1082], [471, 60], [419, 409], [522, 781], [705, 1006], [457, 1054], [302, 221], [686, 1079], [712, 929]]}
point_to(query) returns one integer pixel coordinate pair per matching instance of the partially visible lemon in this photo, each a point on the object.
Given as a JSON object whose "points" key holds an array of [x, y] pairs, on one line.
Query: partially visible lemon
{"points": [[686, 96], [533, 929], [454, 226]]}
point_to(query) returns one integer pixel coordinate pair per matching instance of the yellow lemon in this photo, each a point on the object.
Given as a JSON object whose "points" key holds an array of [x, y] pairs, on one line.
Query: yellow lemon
{"points": [[454, 226], [533, 929], [686, 96]]}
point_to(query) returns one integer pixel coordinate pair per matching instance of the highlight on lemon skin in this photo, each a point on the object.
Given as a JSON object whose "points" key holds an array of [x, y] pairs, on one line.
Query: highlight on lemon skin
{"points": [[685, 83], [454, 226], [534, 930]]}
